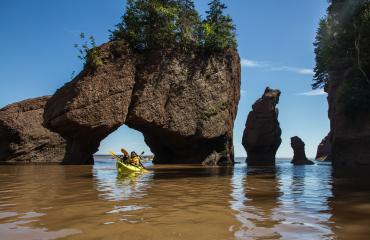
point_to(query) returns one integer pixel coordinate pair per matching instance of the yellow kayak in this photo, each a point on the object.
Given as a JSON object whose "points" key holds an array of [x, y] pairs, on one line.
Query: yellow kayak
{"points": [[127, 168], [123, 168]]}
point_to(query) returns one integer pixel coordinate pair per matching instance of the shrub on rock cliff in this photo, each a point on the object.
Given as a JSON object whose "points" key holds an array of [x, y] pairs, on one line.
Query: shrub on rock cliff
{"points": [[343, 53], [89, 52], [150, 24]]}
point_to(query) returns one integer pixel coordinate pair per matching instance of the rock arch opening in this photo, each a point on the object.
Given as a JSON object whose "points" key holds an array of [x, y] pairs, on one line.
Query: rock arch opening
{"points": [[124, 137]]}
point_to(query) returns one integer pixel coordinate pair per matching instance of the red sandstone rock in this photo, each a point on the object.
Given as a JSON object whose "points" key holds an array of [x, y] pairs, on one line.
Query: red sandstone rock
{"points": [[261, 137], [23, 137], [299, 152]]}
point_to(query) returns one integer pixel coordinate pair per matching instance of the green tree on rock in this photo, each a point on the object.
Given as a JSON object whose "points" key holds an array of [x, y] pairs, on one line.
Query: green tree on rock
{"points": [[148, 24], [342, 50], [188, 24], [219, 29]]}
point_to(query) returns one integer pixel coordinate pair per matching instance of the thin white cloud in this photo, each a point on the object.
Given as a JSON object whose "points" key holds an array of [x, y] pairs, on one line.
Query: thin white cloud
{"points": [[270, 67], [251, 64], [316, 92]]}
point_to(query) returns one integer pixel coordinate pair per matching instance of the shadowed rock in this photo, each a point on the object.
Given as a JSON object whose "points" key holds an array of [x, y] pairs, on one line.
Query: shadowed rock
{"points": [[24, 139], [350, 141], [324, 149], [299, 152], [183, 103], [261, 138]]}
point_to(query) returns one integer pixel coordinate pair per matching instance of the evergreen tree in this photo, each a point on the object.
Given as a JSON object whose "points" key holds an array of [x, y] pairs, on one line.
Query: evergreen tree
{"points": [[219, 29], [149, 24], [188, 24], [342, 50]]}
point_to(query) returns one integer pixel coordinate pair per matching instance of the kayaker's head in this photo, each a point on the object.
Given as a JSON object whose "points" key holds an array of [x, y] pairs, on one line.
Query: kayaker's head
{"points": [[133, 154]]}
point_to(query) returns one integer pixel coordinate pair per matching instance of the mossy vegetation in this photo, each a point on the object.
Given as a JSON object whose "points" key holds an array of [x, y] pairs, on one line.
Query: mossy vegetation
{"points": [[89, 52], [343, 53], [214, 110], [151, 24]]}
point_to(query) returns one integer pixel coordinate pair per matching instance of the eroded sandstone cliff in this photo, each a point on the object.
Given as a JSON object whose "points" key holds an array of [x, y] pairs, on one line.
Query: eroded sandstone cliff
{"points": [[350, 132], [324, 149], [94, 104], [184, 103], [24, 139]]}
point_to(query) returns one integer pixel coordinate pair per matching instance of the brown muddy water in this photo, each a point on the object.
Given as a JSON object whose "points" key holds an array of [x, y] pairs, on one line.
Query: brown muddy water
{"points": [[182, 202]]}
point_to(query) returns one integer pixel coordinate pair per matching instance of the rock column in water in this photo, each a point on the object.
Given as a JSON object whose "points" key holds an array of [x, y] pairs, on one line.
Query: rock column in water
{"points": [[299, 152], [261, 138]]}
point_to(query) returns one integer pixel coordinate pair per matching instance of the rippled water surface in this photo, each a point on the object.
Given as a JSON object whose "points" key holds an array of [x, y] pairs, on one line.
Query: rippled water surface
{"points": [[183, 202]]}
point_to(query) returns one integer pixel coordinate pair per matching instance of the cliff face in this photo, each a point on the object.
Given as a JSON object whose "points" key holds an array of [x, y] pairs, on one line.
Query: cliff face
{"points": [[324, 149], [261, 138], [24, 139], [183, 103], [350, 134], [94, 104], [299, 157]]}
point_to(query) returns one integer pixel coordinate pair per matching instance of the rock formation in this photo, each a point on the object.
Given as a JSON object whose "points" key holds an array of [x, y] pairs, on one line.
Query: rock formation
{"points": [[24, 139], [94, 104], [350, 139], [261, 138], [183, 103], [299, 152], [324, 149]]}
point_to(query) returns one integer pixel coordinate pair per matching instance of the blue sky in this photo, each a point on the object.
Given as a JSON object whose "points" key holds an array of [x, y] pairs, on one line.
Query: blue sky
{"points": [[275, 43]]}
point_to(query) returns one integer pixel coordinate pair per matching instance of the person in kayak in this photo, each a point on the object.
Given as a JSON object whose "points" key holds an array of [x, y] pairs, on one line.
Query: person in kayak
{"points": [[125, 157], [132, 159], [135, 159]]}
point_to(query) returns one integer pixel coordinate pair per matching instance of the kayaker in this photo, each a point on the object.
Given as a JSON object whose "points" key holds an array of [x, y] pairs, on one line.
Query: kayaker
{"points": [[125, 157], [135, 159]]}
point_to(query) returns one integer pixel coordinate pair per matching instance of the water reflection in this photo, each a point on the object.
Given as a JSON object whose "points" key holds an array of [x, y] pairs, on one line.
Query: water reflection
{"points": [[283, 202], [183, 202], [256, 203], [350, 203]]}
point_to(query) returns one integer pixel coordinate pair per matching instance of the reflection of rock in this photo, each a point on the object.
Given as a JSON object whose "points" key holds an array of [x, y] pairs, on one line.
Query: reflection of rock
{"points": [[261, 137], [24, 139], [257, 213], [183, 103], [324, 149], [350, 202], [299, 152]]}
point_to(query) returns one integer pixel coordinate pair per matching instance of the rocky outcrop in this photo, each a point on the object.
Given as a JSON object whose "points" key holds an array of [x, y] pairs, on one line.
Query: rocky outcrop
{"points": [[350, 133], [183, 103], [24, 139], [299, 152], [324, 149], [261, 138], [94, 104]]}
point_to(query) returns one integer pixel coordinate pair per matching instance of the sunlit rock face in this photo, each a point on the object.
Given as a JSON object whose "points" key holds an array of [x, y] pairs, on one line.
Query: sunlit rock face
{"points": [[184, 103], [299, 157], [324, 149], [261, 138], [23, 138], [94, 104]]}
